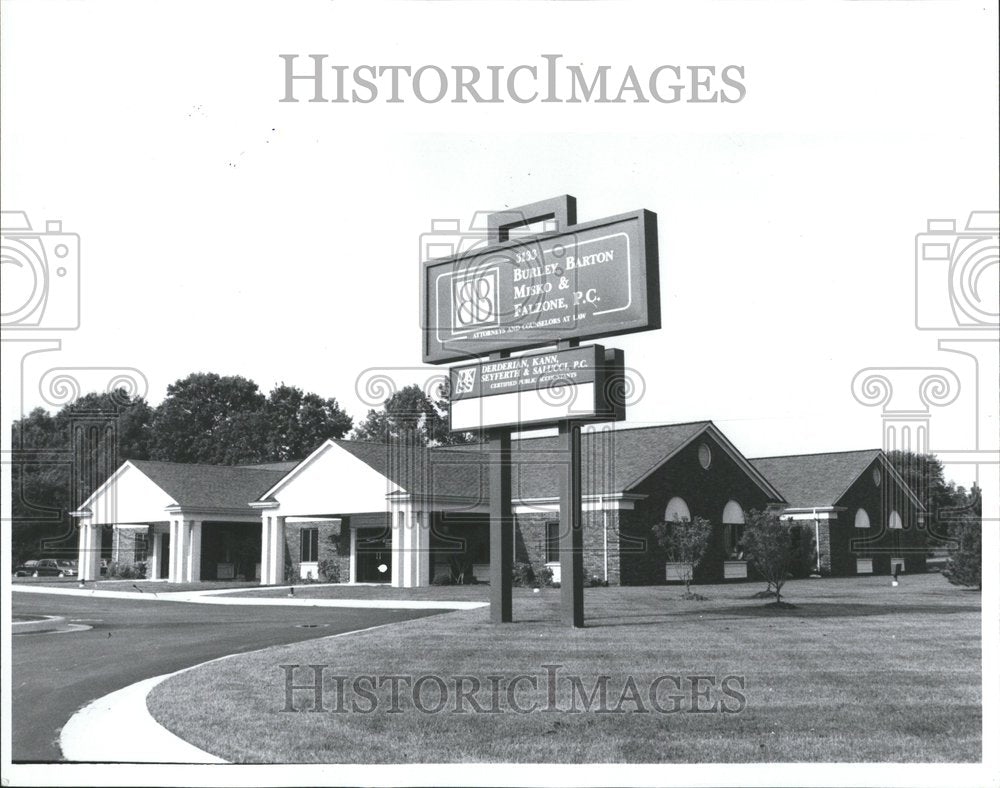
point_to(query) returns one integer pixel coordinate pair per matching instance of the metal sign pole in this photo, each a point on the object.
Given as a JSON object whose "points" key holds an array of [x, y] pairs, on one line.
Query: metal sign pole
{"points": [[501, 525], [563, 209], [571, 520], [595, 279]]}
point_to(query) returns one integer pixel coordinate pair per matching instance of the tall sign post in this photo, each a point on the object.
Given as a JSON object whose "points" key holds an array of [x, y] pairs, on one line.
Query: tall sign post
{"points": [[551, 288]]}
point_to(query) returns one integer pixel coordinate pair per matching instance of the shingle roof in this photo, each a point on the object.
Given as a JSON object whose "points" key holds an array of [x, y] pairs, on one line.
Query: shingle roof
{"points": [[213, 486], [613, 462], [807, 480]]}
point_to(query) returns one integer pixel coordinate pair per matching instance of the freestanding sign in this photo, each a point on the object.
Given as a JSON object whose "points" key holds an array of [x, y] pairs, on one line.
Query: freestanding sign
{"points": [[554, 288], [535, 389], [591, 280]]}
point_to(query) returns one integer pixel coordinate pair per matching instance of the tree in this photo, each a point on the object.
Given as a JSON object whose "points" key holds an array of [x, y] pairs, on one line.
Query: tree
{"points": [[774, 548], [965, 558], [410, 416], [298, 422], [202, 420], [924, 475], [685, 542], [58, 461]]}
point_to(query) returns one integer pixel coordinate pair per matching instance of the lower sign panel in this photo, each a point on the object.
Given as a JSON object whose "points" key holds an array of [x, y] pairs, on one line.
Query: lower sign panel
{"points": [[541, 388]]}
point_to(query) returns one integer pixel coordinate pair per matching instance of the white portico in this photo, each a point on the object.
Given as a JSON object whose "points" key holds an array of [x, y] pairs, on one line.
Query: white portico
{"points": [[173, 511], [333, 484]]}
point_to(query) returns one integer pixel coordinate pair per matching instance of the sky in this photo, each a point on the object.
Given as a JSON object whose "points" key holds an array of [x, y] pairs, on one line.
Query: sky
{"points": [[224, 231]]}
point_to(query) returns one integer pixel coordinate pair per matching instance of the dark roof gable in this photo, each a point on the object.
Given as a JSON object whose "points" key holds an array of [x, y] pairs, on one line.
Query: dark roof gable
{"points": [[820, 480], [213, 486]]}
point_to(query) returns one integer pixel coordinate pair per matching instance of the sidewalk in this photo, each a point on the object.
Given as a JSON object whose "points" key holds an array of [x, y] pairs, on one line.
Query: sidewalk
{"points": [[227, 597]]}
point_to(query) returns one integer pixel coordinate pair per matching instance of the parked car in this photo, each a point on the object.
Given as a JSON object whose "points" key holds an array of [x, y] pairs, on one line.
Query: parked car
{"points": [[46, 567]]}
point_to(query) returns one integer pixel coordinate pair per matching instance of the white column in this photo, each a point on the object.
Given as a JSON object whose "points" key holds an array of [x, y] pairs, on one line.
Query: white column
{"points": [[397, 528], [272, 550], [178, 549], [410, 549], [192, 569], [277, 550], [265, 546], [156, 547], [89, 558], [353, 570]]}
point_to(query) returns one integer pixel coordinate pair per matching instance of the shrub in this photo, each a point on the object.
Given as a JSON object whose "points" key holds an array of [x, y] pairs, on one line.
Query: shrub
{"points": [[122, 571], [522, 574], [329, 570], [544, 578], [965, 560], [442, 580]]}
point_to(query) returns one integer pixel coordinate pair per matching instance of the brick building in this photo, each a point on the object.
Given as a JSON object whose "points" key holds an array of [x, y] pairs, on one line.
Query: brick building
{"points": [[357, 512]]}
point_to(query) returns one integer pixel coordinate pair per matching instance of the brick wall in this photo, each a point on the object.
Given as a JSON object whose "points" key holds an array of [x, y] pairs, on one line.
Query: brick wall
{"points": [[123, 544], [531, 536], [879, 542], [705, 491], [334, 545]]}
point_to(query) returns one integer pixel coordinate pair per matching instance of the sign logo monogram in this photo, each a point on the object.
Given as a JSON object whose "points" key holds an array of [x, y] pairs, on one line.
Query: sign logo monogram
{"points": [[466, 381], [474, 300]]}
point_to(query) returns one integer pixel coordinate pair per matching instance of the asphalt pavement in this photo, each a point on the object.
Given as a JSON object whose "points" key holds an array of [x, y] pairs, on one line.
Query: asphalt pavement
{"points": [[55, 674]]}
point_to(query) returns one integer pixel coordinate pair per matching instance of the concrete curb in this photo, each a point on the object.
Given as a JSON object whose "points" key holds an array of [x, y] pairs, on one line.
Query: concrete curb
{"points": [[47, 624], [213, 597], [118, 728]]}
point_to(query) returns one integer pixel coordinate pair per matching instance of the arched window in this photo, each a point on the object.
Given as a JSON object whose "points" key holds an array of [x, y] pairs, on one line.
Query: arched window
{"points": [[677, 510], [895, 521], [732, 529], [861, 519]]}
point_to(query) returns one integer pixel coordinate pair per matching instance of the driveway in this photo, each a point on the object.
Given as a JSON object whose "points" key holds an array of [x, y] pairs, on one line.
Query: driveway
{"points": [[55, 674]]}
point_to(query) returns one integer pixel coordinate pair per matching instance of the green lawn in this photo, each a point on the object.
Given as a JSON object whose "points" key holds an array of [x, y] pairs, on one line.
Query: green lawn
{"points": [[859, 671]]}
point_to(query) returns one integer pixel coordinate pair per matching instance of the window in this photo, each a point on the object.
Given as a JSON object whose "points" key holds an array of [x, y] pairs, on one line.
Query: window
{"points": [[864, 566], [551, 542], [895, 521], [704, 456], [861, 519], [732, 525], [309, 544], [876, 476], [677, 509], [141, 548]]}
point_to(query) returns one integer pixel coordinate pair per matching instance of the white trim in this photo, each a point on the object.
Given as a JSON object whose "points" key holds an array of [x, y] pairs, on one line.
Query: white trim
{"points": [[294, 472], [827, 513], [591, 503]]}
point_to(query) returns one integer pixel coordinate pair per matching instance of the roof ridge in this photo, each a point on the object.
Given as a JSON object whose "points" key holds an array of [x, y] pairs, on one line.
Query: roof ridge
{"points": [[214, 465], [635, 428], [811, 454]]}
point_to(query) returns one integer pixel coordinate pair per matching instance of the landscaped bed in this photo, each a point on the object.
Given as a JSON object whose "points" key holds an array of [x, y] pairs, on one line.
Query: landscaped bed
{"points": [[858, 671]]}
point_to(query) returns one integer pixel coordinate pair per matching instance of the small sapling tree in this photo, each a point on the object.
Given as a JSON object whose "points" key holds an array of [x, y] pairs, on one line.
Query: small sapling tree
{"points": [[774, 549], [685, 542]]}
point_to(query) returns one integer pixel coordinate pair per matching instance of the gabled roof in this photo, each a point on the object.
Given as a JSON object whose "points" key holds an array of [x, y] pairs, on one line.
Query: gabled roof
{"points": [[195, 486], [821, 480], [613, 462]]}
